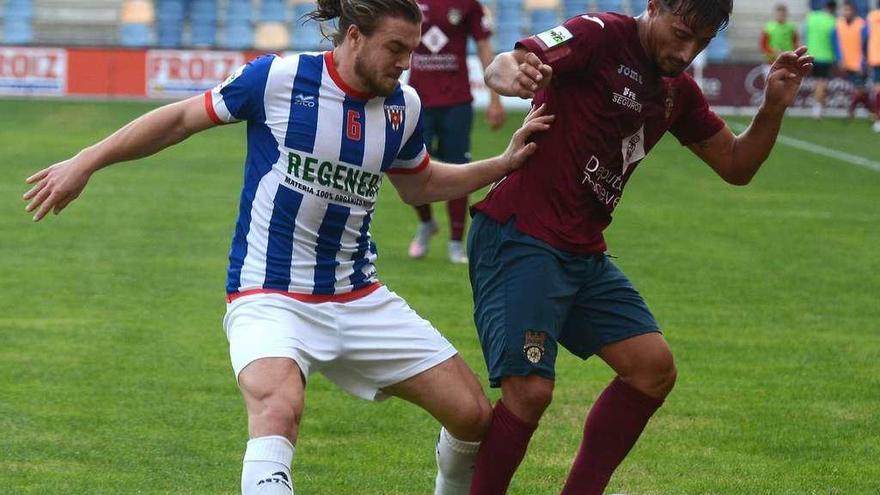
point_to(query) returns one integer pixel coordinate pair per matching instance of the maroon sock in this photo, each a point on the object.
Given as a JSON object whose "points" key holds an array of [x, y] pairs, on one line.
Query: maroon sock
{"points": [[501, 451], [613, 425], [457, 212], [424, 212]]}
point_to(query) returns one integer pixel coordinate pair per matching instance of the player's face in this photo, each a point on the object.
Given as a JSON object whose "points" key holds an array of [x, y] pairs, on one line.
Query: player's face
{"points": [[848, 11], [386, 53], [781, 15], [673, 44]]}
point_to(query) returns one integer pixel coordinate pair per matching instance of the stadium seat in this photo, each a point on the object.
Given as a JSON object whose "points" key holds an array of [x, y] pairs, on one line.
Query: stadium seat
{"points": [[271, 36], [238, 35], [305, 34], [543, 19], [17, 31], [240, 10], [719, 49], [203, 23], [273, 11], [610, 6], [572, 8], [135, 20], [169, 23], [636, 7]]}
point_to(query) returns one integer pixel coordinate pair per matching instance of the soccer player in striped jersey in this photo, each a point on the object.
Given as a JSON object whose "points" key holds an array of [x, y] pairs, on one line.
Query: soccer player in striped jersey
{"points": [[303, 296]]}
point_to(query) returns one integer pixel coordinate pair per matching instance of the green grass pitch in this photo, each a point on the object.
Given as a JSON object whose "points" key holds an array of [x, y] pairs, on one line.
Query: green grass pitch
{"points": [[114, 376]]}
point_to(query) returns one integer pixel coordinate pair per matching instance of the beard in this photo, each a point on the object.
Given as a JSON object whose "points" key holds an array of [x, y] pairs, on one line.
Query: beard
{"points": [[372, 78]]}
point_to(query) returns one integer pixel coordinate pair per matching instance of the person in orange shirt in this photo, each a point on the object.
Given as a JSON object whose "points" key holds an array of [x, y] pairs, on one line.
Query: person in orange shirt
{"points": [[873, 26], [851, 37]]}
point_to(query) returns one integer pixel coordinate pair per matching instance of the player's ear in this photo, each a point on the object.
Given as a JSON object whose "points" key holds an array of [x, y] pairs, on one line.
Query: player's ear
{"points": [[354, 35]]}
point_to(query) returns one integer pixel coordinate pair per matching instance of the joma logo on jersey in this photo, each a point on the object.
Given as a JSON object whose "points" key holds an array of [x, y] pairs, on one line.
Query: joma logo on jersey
{"points": [[394, 114], [630, 73], [328, 174], [304, 101]]}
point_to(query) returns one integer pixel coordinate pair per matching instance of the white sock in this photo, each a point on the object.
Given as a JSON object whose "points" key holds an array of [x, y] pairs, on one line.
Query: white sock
{"points": [[455, 464], [266, 468]]}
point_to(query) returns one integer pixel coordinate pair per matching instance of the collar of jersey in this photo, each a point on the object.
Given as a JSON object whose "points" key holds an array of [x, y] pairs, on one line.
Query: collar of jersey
{"points": [[331, 68]]}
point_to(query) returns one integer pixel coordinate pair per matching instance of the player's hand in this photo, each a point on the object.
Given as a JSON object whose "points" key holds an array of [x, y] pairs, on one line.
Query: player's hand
{"points": [[519, 149], [785, 76], [495, 114], [55, 187], [531, 76]]}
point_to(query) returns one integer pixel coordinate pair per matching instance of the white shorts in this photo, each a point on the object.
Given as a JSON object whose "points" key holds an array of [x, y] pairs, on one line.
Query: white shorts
{"points": [[362, 346]]}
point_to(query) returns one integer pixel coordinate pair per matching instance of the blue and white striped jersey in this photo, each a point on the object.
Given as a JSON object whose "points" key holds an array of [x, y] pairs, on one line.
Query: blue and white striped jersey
{"points": [[317, 152]]}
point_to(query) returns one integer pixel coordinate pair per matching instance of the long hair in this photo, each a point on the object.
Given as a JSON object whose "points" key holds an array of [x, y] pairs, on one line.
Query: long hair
{"points": [[700, 13], [365, 14]]}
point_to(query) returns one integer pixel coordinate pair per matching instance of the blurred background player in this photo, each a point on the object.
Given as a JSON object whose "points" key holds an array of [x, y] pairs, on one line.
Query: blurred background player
{"points": [[851, 37], [873, 25], [819, 36], [440, 75], [779, 35]]}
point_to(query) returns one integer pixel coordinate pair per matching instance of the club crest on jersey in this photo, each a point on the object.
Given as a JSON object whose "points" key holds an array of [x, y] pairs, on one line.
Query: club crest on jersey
{"points": [[534, 345], [394, 114], [670, 101], [454, 16]]}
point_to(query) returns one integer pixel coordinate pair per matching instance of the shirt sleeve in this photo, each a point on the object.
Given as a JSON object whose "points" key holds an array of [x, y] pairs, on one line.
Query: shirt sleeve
{"points": [[696, 121], [478, 23], [571, 46], [413, 156], [240, 96]]}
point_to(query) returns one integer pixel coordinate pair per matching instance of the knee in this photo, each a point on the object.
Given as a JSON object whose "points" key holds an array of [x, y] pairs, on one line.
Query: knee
{"points": [[655, 377], [527, 397], [472, 420]]}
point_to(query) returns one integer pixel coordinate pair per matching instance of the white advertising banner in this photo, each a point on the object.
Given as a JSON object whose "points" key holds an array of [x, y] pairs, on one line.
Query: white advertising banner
{"points": [[181, 73], [33, 71]]}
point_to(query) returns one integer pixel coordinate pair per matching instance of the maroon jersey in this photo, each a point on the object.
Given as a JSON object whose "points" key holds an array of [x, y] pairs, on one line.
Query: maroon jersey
{"points": [[439, 64], [611, 108]]}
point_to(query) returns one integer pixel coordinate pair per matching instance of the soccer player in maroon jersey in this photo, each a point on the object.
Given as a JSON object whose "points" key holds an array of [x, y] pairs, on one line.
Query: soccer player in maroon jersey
{"points": [[440, 75], [538, 270]]}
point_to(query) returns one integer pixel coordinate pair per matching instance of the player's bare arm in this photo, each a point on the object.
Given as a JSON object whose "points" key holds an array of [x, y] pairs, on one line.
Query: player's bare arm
{"points": [[494, 112], [737, 158], [518, 73], [56, 186], [440, 181]]}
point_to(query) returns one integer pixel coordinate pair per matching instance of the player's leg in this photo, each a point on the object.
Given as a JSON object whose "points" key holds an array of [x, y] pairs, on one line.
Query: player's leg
{"points": [[273, 391], [390, 350], [612, 320], [454, 146], [452, 394], [522, 292], [427, 228], [267, 336]]}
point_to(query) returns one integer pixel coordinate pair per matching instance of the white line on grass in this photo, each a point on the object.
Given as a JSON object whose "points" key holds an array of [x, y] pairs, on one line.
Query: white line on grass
{"points": [[843, 156]]}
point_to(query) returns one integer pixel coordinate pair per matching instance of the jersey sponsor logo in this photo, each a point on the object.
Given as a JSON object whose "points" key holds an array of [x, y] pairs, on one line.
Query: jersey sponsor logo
{"points": [[627, 100], [33, 71], [633, 148], [232, 77], [304, 100], [434, 39], [533, 347], [630, 73], [395, 115], [344, 179], [181, 73], [607, 186], [594, 19], [555, 37]]}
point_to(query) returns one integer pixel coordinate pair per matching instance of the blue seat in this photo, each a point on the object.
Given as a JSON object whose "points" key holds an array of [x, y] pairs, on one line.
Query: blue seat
{"points": [[238, 35], [637, 6], [239, 10], [17, 31], [138, 35], [543, 19], [719, 49], [506, 36], [573, 8], [19, 9], [305, 34], [273, 11], [610, 5], [203, 23]]}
